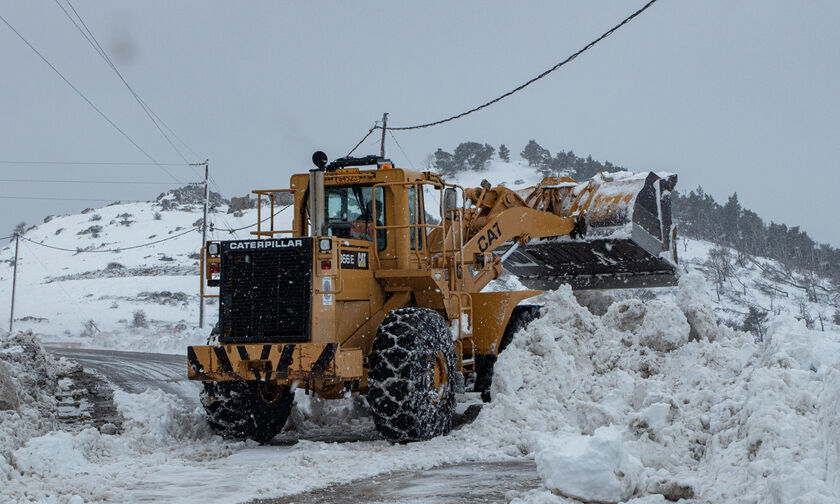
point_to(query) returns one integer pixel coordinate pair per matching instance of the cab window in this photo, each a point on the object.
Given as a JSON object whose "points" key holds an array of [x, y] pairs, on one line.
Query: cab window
{"points": [[349, 213]]}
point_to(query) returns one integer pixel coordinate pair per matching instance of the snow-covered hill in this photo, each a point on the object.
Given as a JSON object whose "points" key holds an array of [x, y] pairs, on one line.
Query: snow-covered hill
{"points": [[142, 298]]}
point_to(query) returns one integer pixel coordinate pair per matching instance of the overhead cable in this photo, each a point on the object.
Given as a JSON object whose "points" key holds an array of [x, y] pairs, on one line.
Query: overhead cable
{"points": [[91, 163], [97, 47], [402, 150], [525, 84], [47, 198], [112, 182], [87, 100], [231, 231], [371, 130], [121, 249]]}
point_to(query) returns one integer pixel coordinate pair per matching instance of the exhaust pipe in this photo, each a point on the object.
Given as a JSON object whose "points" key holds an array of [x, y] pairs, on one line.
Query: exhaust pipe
{"points": [[316, 203]]}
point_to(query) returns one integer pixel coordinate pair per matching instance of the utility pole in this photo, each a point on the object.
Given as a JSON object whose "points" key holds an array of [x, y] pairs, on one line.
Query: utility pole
{"points": [[14, 283], [384, 127], [204, 233]]}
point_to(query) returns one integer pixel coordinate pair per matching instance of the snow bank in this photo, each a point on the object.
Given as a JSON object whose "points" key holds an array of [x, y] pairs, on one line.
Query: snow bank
{"points": [[710, 414], [28, 384]]}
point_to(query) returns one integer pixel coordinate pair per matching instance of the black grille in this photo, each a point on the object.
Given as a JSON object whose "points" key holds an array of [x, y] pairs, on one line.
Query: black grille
{"points": [[266, 290]]}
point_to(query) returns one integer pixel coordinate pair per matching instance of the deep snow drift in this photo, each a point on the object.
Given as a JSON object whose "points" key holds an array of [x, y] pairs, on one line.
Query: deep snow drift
{"points": [[727, 420], [649, 400]]}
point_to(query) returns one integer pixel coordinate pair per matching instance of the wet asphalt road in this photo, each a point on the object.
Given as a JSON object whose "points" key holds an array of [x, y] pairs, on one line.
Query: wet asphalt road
{"points": [[467, 483]]}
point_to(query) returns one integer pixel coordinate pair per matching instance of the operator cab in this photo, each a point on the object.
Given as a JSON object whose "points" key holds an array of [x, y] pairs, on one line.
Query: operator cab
{"points": [[351, 212]]}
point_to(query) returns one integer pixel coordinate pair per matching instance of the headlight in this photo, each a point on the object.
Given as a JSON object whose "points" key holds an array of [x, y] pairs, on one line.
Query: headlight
{"points": [[325, 244], [213, 249]]}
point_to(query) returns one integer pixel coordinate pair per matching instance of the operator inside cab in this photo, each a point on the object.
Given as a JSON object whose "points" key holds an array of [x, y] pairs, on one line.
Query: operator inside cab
{"points": [[350, 213]]}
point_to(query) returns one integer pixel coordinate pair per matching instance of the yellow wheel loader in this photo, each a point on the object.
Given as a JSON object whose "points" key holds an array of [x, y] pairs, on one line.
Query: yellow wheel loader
{"points": [[378, 287]]}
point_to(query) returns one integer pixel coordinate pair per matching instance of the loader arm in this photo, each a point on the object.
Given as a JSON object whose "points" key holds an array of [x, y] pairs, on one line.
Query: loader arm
{"points": [[613, 231], [518, 225]]}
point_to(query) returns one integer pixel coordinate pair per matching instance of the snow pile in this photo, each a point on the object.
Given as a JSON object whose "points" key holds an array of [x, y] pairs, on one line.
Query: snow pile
{"points": [[709, 414], [590, 468], [27, 405]]}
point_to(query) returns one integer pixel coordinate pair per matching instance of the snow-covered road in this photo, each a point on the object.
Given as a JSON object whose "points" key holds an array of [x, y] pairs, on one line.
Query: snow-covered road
{"points": [[468, 482], [136, 372]]}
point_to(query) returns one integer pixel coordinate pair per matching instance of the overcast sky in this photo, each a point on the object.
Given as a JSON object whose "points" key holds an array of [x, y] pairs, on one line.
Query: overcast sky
{"points": [[731, 95]]}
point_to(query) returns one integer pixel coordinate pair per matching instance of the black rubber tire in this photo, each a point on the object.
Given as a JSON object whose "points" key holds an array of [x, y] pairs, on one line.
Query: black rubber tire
{"points": [[246, 409], [401, 395], [520, 318]]}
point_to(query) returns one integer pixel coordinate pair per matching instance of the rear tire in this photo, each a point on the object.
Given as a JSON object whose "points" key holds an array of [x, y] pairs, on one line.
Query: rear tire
{"points": [[412, 377], [520, 318], [246, 409]]}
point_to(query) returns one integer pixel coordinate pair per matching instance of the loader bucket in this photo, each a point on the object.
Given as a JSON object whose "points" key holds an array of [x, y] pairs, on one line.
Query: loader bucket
{"points": [[624, 239]]}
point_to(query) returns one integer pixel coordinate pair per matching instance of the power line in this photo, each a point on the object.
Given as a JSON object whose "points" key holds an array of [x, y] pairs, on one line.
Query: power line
{"points": [[92, 163], [86, 99], [374, 128], [525, 84], [65, 199], [91, 182], [122, 249], [94, 43], [402, 150]]}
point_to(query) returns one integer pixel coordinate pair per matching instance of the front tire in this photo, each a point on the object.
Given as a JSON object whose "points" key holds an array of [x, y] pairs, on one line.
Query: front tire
{"points": [[246, 409], [411, 382]]}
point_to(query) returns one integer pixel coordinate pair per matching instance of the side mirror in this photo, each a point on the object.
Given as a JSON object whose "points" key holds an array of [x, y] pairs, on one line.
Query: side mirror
{"points": [[450, 202]]}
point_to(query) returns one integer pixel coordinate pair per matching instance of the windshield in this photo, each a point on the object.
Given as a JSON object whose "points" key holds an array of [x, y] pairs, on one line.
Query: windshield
{"points": [[350, 213]]}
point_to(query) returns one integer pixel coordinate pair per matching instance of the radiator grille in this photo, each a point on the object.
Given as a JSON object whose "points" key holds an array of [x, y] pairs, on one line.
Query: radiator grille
{"points": [[265, 294]]}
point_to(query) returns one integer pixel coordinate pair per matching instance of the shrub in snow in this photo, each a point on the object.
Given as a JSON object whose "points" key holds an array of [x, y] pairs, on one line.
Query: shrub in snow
{"points": [[588, 468], [140, 319], [664, 327], [158, 216], [93, 231], [95, 217]]}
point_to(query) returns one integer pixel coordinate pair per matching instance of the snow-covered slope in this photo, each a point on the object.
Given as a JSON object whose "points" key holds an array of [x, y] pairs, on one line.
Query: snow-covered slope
{"points": [[60, 292]]}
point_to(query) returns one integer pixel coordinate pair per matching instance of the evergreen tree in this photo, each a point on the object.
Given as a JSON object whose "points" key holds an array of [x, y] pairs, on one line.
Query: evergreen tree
{"points": [[536, 155], [504, 153], [756, 323], [472, 156], [444, 163], [729, 216]]}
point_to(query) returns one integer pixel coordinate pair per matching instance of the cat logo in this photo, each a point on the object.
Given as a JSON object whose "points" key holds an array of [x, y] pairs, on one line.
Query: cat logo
{"points": [[493, 234]]}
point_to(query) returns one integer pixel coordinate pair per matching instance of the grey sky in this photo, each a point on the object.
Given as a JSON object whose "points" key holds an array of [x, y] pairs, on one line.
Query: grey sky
{"points": [[732, 95]]}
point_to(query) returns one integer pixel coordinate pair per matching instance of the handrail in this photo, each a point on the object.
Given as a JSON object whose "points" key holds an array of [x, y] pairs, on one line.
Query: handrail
{"points": [[270, 193]]}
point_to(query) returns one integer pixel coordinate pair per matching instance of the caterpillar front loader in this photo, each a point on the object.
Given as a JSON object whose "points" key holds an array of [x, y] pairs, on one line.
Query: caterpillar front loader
{"points": [[377, 288]]}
